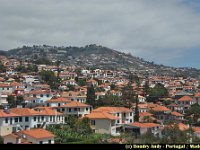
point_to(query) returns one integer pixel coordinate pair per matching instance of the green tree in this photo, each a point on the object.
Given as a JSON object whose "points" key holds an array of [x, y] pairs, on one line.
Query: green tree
{"points": [[112, 86], [136, 117], [173, 135], [50, 78], [91, 96], [2, 68], [71, 87], [82, 126], [193, 111], [11, 101], [32, 68], [110, 100], [157, 92], [81, 82], [21, 69], [19, 100], [1, 140], [128, 94]]}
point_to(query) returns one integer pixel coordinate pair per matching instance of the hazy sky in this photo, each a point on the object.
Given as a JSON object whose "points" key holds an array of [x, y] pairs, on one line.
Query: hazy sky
{"points": [[163, 31]]}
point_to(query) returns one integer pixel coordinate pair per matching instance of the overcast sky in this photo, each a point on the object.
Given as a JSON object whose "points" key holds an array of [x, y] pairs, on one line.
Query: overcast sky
{"points": [[166, 32]]}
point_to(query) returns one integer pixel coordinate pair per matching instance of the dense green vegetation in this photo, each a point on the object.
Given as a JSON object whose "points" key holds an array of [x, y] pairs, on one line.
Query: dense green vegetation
{"points": [[2, 68], [76, 132], [91, 96], [11, 101], [157, 92], [193, 114], [29, 68], [50, 78], [1, 140], [110, 100]]}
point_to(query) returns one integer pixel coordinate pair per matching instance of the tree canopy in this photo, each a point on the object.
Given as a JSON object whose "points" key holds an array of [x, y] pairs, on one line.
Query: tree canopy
{"points": [[157, 92]]}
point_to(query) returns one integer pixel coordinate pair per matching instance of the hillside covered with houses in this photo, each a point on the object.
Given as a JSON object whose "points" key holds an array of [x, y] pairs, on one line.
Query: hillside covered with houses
{"points": [[58, 102]]}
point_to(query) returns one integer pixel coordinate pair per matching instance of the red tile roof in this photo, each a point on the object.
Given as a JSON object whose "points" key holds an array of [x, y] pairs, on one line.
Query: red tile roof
{"points": [[197, 94], [174, 113], [113, 109], [5, 115], [58, 100], [75, 104], [160, 108], [196, 129], [101, 115], [185, 98], [142, 114], [24, 111], [38, 133], [144, 125]]}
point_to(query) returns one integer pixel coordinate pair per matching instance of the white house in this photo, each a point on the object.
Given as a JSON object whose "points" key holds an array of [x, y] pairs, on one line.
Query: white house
{"points": [[110, 119], [33, 136], [43, 95], [141, 99], [25, 118], [74, 108]]}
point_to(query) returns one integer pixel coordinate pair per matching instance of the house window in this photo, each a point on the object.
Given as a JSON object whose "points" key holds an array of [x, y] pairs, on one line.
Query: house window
{"points": [[131, 120], [117, 121], [49, 141], [2, 88], [47, 95], [34, 118], [118, 114], [93, 122], [131, 114], [86, 109], [75, 109], [26, 119], [79, 109], [16, 119], [7, 88], [187, 103], [41, 95], [20, 119], [10, 120], [70, 110], [124, 114], [34, 95], [6, 120], [41, 142], [58, 104], [42, 118], [63, 109], [50, 118]]}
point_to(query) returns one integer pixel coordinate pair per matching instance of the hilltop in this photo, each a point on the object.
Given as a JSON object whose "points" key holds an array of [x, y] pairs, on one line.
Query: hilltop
{"points": [[94, 56]]}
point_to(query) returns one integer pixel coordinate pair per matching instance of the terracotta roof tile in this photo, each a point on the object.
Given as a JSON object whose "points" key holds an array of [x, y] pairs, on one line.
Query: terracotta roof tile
{"points": [[47, 111], [185, 98], [144, 125], [196, 129], [4, 114], [142, 114], [160, 108], [113, 109], [101, 115], [197, 94], [75, 104], [24, 111], [57, 100], [174, 113], [38, 133]]}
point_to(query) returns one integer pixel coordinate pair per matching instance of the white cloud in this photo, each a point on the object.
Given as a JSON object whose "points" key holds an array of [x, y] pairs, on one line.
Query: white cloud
{"points": [[154, 29]]}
